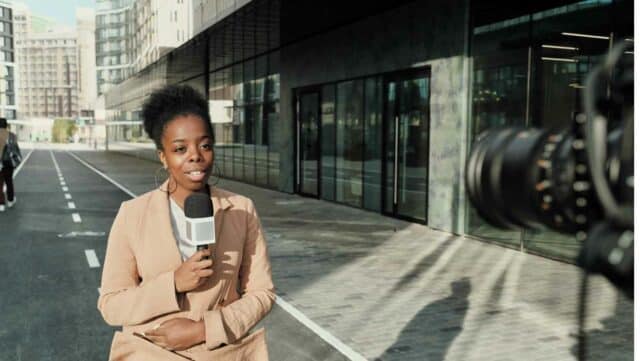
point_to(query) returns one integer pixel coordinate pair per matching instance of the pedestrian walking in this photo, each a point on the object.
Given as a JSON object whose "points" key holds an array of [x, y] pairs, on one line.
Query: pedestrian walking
{"points": [[10, 157], [172, 300]]}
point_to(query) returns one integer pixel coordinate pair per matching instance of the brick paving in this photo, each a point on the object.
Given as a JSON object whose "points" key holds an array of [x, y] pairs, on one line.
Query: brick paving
{"points": [[394, 290]]}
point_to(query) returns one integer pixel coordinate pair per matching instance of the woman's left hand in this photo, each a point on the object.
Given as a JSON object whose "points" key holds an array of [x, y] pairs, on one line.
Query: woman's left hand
{"points": [[177, 334]]}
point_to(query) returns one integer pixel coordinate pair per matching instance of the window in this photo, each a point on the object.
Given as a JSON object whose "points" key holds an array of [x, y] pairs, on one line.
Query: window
{"points": [[528, 71], [349, 130]]}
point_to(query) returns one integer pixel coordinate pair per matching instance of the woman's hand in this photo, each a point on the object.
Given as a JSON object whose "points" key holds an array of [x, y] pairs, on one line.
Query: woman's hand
{"points": [[177, 334], [193, 272]]}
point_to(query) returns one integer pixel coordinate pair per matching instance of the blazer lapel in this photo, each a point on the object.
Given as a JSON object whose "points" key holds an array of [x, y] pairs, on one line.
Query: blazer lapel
{"points": [[220, 206], [160, 230]]}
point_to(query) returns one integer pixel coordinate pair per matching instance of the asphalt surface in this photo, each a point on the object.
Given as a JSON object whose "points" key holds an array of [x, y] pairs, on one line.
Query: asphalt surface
{"points": [[375, 287], [50, 278]]}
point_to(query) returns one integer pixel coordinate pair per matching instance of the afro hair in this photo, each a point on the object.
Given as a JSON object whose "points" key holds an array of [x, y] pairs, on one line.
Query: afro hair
{"points": [[168, 102]]}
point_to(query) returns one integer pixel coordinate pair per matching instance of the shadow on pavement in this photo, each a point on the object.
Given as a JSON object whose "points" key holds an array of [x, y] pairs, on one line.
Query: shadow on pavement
{"points": [[436, 342], [609, 342]]}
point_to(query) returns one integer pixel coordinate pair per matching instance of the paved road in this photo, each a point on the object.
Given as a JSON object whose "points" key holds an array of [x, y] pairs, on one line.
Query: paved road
{"points": [[49, 292], [381, 287], [51, 254]]}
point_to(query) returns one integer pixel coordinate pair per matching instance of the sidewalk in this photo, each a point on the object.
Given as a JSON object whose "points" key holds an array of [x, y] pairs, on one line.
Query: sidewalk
{"points": [[394, 290]]}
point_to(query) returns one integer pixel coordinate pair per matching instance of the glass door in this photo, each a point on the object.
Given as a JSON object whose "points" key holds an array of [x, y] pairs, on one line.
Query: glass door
{"points": [[406, 145], [308, 145]]}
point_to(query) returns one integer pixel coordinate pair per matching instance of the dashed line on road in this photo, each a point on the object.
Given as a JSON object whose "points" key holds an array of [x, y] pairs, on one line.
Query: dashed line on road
{"points": [[76, 218], [67, 196], [318, 330], [55, 163], [92, 259], [71, 205], [65, 189]]}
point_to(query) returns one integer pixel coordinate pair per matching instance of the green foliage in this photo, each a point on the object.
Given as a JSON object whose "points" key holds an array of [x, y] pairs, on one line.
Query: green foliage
{"points": [[62, 130]]}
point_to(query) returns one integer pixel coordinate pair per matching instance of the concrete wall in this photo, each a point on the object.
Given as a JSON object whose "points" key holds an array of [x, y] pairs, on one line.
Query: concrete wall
{"points": [[419, 34]]}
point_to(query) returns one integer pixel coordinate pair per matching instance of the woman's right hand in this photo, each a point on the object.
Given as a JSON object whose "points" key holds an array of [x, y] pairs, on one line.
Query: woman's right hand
{"points": [[193, 272]]}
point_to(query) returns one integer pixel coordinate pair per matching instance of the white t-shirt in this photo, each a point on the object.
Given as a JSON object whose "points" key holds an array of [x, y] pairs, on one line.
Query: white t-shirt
{"points": [[179, 225]]}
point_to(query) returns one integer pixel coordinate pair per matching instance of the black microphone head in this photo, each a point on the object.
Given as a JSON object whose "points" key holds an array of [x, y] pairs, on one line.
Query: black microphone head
{"points": [[198, 205]]}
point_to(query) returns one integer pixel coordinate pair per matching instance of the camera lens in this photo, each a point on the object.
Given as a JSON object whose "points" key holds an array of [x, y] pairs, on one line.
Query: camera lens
{"points": [[525, 177], [500, 176]]}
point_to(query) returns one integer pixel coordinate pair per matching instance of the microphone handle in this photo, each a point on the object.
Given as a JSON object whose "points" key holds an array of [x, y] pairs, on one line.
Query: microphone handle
{"points": [[201, 247]]}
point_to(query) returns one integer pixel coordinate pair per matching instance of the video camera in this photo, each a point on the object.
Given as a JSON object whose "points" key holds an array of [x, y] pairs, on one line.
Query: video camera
{"points": [[577, 181]]}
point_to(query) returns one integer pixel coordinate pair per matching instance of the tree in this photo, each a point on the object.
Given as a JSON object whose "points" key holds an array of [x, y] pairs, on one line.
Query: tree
{"points": [[62, 130]]}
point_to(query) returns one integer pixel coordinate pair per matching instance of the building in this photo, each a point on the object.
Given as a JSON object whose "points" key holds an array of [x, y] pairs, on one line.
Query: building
{"points": [[375, 104], [208, 12], [55, 78], [85, 29], [49, 75], [27, 23], [115, 42], [8, 94], [131, 34], [161, 26]]}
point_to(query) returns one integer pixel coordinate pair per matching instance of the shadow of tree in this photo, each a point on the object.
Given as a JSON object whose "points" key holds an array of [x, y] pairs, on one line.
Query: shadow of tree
{"points": [[430, 344]]}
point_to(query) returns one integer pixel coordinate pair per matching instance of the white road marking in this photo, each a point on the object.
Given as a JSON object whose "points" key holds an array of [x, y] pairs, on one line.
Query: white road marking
{"points": [[63, 184], [67, 196], [324, 334], [92, 259], [133, 195], [24, 160], [71, 205], [22, 164], [55, 163], [76, 218], [65, 189], [81, 234]]}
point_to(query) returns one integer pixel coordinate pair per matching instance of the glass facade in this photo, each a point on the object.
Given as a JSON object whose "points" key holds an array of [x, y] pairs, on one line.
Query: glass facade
{"points": [[347, 127], [384, 125], [529, 70], [115, 42], [244, 104]]}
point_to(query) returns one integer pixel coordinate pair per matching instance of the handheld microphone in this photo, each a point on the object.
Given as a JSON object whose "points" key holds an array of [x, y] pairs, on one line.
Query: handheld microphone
{"points": [[200, 222]]}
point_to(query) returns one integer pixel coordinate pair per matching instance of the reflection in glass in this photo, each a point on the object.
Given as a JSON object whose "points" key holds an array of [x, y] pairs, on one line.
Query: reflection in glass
{"points": [[390, 141], [328, 143], [349, 142], [373, 143], [529, 70], [413, 115], [407, 142], [569, 47], [273, 118], [309, 105]]}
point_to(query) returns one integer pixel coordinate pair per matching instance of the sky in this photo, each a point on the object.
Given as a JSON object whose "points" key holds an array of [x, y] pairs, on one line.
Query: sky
{"points": [[61, 11]]}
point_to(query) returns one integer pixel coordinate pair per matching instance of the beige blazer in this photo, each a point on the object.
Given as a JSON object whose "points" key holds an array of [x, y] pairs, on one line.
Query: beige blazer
{"points": [[137, 290]]}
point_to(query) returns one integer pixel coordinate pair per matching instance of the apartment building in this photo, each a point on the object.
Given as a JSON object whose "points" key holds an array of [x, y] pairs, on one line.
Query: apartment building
{"points": [[7, 62]]}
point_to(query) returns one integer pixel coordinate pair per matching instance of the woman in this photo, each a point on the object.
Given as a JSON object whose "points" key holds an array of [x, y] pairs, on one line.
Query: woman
{"points": [[7, 167], [172, 301]]}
